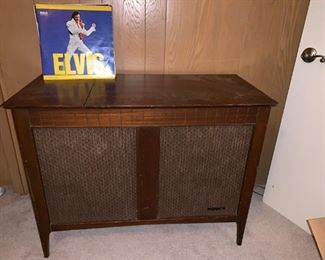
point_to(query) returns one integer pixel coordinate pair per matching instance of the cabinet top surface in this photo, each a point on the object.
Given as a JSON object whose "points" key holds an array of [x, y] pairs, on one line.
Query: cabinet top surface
{"points": [[141, 91]]}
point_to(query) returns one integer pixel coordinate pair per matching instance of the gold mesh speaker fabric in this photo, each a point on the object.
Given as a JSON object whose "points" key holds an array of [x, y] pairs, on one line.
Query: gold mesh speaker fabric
{"points": [[89, 174], [202, 169]]}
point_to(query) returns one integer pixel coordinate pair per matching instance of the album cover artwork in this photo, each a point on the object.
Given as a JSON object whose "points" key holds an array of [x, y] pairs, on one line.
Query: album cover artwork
{"points": [[76, 41]]}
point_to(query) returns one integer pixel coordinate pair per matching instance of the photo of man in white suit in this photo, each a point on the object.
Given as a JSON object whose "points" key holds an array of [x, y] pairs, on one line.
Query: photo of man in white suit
{"points": [[77, 33]]}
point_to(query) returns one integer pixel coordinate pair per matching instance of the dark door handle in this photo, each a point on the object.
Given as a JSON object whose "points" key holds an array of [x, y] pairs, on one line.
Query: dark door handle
{"points": [[310, 54]]}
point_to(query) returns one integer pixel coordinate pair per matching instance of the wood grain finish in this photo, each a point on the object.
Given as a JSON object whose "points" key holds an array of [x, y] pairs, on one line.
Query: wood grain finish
{"points": [[10, 163], [148, 154], [4, 167], [19, 52], [142, 117], [317, 227], [57, 1], [267, 58], [203, 36], [19, 181], [129, 35], [19, 64], [227, 100], [40, 93], [170, 91], [9, 171], [251, 170], [155, 33], [35, 183], [256, 39], [141, 91]]}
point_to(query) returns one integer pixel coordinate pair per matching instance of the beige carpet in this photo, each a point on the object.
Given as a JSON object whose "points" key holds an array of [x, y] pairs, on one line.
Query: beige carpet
{"points": [[268, 236]]}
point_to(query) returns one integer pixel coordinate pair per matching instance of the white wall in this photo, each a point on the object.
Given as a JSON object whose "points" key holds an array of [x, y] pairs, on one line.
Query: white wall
{"points": [[296, 182]]}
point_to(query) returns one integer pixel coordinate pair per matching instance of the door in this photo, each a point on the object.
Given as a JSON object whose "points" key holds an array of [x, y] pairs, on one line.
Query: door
{"points": [[296, 183]]}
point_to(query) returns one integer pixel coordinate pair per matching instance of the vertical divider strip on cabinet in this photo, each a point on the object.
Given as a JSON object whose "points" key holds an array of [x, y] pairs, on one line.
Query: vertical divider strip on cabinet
{"points": [[148, 153]]}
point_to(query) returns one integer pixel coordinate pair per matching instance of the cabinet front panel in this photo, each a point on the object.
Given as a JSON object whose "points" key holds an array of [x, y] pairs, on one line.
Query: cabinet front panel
{"points": [[202, 169], [89, 174]]}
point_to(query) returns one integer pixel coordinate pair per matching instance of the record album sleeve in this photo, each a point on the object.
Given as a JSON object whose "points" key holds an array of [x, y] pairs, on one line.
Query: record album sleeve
{"points": [[76, 41]]}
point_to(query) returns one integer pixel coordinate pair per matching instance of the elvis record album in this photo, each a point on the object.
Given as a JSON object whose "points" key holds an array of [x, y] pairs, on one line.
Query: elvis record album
{"points": [[76, 41]]}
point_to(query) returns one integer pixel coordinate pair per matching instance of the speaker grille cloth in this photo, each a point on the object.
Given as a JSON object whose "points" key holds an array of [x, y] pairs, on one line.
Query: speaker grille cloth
{"points": [[89, 174], [201, 168]]}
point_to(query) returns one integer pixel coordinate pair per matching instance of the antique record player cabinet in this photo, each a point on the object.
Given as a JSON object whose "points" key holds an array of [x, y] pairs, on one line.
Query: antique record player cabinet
{"points": [[143, 149]]}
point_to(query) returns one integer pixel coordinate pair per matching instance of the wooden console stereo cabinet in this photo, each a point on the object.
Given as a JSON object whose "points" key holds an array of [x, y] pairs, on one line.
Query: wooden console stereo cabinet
{"points": [[145, 149]]}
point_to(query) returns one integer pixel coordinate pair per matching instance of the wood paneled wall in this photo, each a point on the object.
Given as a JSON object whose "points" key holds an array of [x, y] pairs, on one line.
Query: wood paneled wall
{"points": [[4, 170], [257, 39]]}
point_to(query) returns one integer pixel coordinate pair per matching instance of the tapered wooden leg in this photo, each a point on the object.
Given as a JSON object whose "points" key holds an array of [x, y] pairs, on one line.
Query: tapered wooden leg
{"points": [[251, 170], [45, 241], [240, 231], [33, 174]]}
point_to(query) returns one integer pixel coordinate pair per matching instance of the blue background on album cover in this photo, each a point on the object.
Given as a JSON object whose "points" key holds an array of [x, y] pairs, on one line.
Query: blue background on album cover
{"points": [[54, 35]]}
